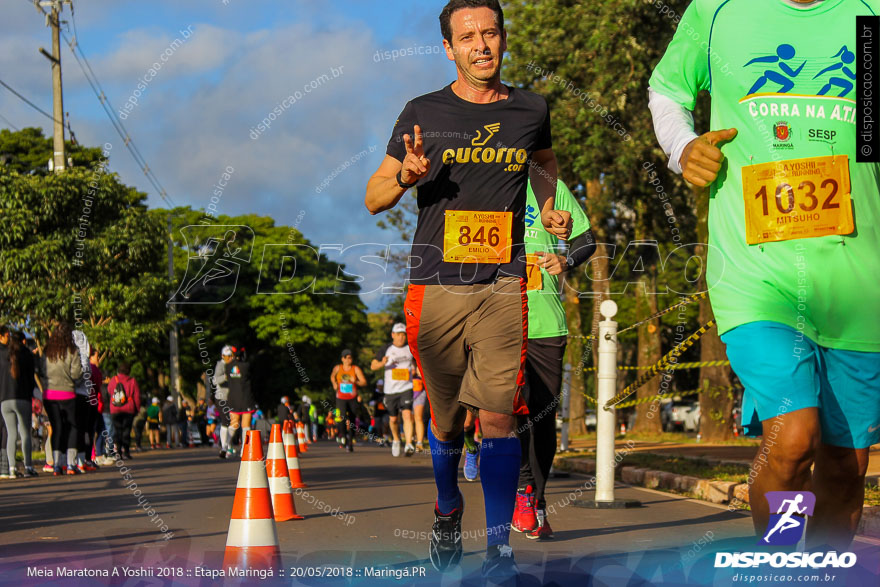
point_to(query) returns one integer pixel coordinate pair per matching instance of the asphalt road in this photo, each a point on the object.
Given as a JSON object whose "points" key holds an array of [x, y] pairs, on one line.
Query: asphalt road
{"points": [[383, 508]]}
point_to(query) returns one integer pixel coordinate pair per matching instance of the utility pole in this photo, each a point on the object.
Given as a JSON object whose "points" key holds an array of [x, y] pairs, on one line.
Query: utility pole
{"points": [[174, 386], [53, 19]]}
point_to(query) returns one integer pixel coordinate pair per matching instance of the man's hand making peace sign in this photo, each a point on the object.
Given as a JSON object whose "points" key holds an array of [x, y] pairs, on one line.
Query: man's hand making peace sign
{"points": [[415, 164]]}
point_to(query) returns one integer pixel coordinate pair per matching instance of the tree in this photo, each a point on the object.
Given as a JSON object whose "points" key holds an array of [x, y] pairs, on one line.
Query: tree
{"points": [[28, 152], [292, 309], [81, 247], [604, 142]]}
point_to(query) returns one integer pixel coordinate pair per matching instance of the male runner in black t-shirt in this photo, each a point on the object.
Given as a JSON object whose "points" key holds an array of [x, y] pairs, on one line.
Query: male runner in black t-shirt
{"points": [[474, 146]]}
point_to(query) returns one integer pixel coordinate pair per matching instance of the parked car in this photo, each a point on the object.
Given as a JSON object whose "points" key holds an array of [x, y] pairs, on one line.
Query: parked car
{"points": [[590, 420], [692, 418], [674, 414]]}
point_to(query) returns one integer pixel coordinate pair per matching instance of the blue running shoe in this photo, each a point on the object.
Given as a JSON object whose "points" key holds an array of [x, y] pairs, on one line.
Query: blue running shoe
{"points": [[471, 464]]}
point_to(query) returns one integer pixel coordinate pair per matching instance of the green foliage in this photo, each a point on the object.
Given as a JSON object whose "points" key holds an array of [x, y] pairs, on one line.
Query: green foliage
{"points": [[28, 152], [293, 336], [81, 247], [602, 130]]}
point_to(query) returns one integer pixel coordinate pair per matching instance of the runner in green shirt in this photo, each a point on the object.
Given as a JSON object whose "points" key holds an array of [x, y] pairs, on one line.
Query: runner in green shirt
{"points": [[547, 338], [793, 257]]}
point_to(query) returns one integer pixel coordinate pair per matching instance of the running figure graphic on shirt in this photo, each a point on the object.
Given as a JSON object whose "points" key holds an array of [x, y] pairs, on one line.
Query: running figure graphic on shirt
{"points": [[846, 58], [532, 214], [786, 522], [784, 52]]}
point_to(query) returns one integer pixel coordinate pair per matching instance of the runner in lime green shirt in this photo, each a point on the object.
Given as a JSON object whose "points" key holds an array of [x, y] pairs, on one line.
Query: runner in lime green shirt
{"points": [[794, 249], [547, 338]]}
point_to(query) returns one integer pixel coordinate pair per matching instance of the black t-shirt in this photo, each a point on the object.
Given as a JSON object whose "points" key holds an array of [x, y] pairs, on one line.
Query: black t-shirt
{"points": [[479, 161]]}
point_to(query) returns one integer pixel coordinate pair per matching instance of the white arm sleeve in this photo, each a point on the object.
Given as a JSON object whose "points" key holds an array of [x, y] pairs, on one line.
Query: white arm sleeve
{"points": [[219, 377], [673, 125]]}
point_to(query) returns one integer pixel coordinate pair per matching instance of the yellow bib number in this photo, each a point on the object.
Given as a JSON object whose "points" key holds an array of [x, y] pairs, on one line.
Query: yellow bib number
{"points": [[533, 273], [797, 198], [400, 374], [477, 237]]}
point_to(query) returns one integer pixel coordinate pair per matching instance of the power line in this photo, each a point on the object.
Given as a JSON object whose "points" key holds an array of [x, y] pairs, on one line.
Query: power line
{"points": [[6, 120], [32, 105], [90, 76]]}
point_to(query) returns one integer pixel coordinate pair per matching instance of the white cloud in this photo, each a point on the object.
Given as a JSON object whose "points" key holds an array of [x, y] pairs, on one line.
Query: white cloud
{"points": [[195, 116]]}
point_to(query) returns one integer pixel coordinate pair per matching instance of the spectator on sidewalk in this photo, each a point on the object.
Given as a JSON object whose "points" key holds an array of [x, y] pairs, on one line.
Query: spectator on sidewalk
{"points": [[154, 418], [125, 403], [64, 370], [183, 420], [105, 436], [94, 420], [169, 418], [16, 402], [83, 412], [199, 414], [140, 422]]}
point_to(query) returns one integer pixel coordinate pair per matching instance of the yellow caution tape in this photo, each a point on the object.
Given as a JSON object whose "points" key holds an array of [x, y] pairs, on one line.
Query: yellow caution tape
{"points": [[644, 400], [671, 366], [664, 362]]}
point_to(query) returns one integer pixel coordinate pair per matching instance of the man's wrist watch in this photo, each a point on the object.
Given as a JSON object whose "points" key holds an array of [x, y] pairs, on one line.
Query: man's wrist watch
{"points": [[405, 186]]}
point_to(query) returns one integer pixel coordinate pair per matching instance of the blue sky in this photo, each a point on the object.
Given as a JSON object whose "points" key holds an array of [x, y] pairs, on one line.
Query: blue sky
{"points": [[241, 60]]}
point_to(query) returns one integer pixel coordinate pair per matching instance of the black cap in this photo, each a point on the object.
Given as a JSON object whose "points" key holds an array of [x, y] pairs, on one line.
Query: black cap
{"points": [[345, 353]]}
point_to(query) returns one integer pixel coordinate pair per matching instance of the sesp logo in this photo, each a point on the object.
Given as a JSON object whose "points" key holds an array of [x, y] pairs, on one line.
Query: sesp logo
{"points": [[785, 526], [216, 253]]}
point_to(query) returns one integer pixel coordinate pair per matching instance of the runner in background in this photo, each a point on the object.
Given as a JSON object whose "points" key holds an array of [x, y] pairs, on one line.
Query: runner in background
{"points": [[221, 399], [547, 339], [793, 241], [346, 378], [241, 398], [420, 400], [396, 360]]}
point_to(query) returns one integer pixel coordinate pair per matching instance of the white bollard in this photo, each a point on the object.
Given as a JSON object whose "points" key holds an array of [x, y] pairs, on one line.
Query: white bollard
{"points": [[606, 419]]}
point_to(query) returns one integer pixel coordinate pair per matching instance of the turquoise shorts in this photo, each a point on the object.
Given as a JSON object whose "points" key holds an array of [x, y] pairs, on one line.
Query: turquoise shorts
{"points": [[784, 371]]}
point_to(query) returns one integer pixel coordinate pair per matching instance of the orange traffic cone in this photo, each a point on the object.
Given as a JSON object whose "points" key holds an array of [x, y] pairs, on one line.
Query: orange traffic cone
{"points": [[301, 438], [252, 541], [279, 478], [292, 457]]}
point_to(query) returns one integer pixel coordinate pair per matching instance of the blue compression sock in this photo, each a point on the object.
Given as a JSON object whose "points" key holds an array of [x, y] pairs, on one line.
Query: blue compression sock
{"points": [[446, 457], [499, 476]]}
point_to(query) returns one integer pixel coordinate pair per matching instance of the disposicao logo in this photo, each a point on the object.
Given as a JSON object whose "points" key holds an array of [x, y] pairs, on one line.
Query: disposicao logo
{"points": [[785, 528]]}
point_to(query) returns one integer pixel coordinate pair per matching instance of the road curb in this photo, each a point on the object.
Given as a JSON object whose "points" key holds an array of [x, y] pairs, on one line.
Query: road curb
{"points": [[718, 492]]}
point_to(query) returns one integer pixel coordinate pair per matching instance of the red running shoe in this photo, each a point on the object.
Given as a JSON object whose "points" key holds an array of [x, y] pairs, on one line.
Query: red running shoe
{"points": [[524, 517], [72, 471], [543, 531]]}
